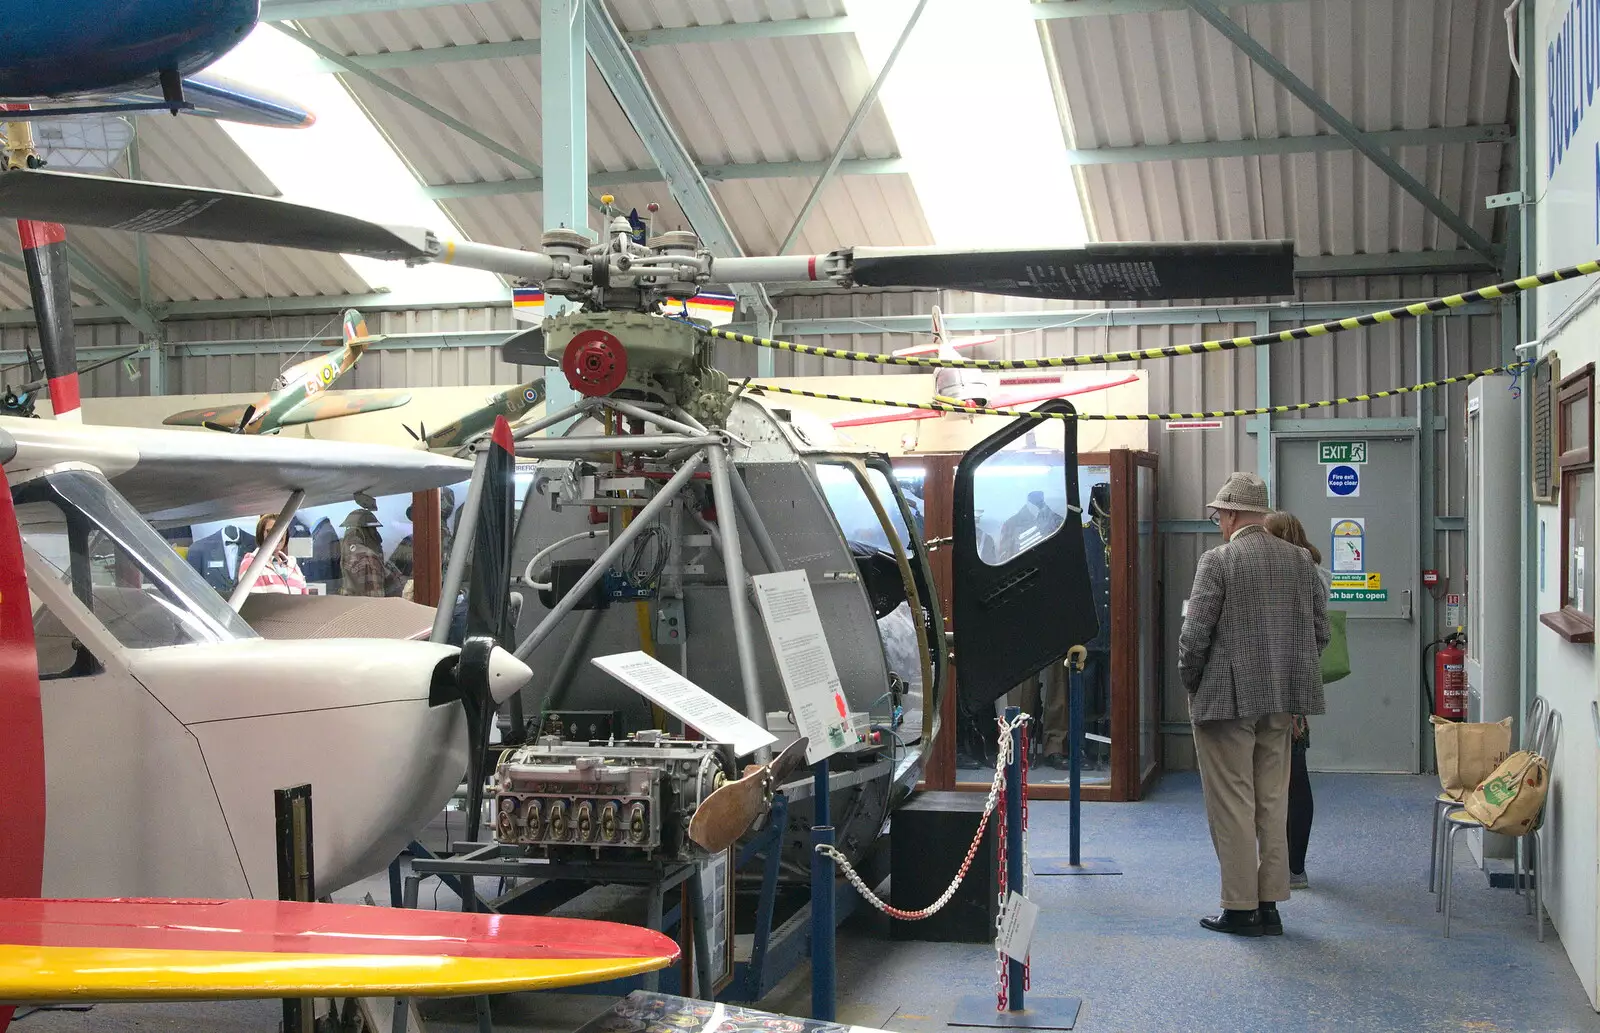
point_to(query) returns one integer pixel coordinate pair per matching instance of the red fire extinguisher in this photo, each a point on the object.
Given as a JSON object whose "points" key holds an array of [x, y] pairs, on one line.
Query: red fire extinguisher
{"points": [[1450, 678]]}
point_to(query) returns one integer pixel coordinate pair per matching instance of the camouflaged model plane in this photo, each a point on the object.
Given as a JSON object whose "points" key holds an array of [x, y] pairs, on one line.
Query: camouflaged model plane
{"points": [[300, 394], [513, 403]]}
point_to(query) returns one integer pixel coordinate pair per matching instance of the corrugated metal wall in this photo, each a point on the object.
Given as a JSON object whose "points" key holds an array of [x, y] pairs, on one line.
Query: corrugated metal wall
{"points": [[1191, 464]]}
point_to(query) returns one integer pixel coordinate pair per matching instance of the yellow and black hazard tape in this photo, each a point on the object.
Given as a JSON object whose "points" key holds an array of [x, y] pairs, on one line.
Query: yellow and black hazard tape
{"points": [[1217, 414], [1493, 292]]}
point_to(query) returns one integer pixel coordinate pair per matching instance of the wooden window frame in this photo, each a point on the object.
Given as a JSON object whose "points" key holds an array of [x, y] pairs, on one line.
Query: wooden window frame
{"points": [[1572, 457]]}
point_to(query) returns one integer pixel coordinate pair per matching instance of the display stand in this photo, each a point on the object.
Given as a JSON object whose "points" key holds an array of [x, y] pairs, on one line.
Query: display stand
{"points": [[1014, 1010], [296, 881], [823, 974], [498, 860], [1075, 863]]}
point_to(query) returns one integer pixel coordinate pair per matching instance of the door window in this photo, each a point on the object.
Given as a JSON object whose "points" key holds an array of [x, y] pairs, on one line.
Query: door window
{"points": [[1019, 494]]}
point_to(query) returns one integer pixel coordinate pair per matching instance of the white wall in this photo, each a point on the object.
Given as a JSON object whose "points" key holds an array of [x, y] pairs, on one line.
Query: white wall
{"points": [[1566, 228]]}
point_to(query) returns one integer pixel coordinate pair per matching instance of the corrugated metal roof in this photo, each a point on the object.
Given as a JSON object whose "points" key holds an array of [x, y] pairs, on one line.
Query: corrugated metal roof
{"points": [[731, 102], [197, 152], [1127, 80], [1385, 64]]}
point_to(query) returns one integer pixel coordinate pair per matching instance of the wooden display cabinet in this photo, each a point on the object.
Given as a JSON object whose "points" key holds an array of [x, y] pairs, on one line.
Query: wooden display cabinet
{"points": [[1136, 631]]}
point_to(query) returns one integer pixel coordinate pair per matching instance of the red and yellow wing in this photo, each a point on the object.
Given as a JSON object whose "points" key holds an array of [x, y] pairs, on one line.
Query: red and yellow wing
{"points": [[146, 950], [1002, 400], [332, 405]]}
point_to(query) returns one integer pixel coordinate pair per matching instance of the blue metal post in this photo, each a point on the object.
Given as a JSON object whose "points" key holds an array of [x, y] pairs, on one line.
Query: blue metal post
{"points": [[822, 959], [1014, 869], [563, 84], [1075, 759]]}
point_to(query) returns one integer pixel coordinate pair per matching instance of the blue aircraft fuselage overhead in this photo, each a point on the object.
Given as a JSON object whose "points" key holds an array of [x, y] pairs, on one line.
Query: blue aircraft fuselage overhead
{"points": [[62, 47]]}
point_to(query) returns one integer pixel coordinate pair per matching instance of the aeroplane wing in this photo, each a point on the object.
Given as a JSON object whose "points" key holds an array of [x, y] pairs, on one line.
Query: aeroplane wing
{"points": [[999, 401], [332, 405], [174, 476], [147, 950], [223, 416]]}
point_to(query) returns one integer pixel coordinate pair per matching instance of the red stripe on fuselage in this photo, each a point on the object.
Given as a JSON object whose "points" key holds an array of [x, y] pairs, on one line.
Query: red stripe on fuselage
{"points": [[64, 395], [502, 434], [21, 723], [40, 234]]}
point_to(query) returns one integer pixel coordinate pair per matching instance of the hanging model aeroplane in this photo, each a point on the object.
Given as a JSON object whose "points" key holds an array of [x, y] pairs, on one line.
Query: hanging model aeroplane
{"points": [[300, 393], [513, 403], [973, 388], [75, 57]]}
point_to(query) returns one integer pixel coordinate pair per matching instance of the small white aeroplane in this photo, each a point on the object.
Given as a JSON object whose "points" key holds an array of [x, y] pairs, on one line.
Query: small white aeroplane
{"points": [[169, 722], [975, 388]]}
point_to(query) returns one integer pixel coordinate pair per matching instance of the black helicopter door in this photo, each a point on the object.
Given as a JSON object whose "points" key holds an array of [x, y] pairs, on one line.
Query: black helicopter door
{"points": [[1020, 579]]}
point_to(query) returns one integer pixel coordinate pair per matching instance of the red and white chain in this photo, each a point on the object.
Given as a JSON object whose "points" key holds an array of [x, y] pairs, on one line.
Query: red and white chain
{"points": [[995, 788], [1002, 969]]}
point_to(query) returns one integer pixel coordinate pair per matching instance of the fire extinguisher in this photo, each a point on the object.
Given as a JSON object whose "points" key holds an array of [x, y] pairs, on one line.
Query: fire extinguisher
{"points": [[1449, 698]]}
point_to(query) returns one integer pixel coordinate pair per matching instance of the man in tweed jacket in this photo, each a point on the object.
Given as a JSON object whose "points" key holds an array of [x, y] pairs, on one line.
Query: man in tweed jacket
{"points": [[1249, 656]]}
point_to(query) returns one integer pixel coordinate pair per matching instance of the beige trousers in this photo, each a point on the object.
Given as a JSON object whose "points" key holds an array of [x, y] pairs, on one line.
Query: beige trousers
{"points": [[1051, 713], [1244, 770]]}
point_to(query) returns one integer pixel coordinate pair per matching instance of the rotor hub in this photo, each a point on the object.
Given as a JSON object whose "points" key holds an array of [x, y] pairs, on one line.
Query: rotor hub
{"points": [[595, 363]]}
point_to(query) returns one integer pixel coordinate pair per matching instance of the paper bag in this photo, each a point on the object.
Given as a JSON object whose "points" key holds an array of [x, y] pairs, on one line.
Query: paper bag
{"points": [[1468, 753], [1511, 799]]}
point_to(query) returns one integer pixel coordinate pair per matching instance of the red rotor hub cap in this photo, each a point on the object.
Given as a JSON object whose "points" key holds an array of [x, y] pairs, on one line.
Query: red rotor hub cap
{"points": [[595, 363]]}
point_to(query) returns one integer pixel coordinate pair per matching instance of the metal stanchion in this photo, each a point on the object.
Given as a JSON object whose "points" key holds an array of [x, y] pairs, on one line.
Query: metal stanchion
{"points": [[296, 881], [1015, 869], [1019, 1012], [1075, 761], [1075, 864], [822, 878]]}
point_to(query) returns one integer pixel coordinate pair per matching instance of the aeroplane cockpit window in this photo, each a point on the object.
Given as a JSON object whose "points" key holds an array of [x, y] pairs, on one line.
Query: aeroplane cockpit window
{"points": [[879, 569], [118, 566], [1018, 494]]}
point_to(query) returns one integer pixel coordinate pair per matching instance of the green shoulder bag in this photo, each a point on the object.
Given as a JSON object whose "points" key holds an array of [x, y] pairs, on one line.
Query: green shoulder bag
{"points": [[1336, 658]]}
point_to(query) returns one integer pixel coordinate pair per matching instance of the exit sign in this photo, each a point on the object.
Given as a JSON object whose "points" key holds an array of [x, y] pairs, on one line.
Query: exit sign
{"points": [[1341, 451]]}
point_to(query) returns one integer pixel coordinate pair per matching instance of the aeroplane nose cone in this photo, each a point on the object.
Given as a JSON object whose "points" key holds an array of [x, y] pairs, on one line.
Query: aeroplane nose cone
{"points": [[507, 674]]}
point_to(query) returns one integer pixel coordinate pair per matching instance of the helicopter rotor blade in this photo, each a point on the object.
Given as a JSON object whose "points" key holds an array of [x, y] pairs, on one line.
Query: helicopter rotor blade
{"points": [[141, 207], [1094, 272]]}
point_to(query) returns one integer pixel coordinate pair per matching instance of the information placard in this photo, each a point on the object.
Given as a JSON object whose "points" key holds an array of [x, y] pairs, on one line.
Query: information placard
{"points": [[685, 700], [816, 696]]}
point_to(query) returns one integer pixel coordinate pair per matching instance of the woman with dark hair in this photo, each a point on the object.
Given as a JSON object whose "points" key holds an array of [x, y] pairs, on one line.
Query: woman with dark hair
{"points": [[1286, 526], [281, 575]]}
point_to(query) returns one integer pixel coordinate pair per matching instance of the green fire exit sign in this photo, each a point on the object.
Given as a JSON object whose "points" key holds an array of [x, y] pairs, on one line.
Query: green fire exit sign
{"points": [[1341, 451]]}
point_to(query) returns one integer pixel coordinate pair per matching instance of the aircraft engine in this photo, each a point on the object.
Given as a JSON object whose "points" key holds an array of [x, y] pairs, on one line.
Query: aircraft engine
{"points": [[616, 801]]}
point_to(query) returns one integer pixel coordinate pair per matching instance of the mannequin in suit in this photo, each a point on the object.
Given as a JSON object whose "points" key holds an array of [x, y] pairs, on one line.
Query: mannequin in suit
{"points": [[324, 562], [217, 556], [1097, 666]]}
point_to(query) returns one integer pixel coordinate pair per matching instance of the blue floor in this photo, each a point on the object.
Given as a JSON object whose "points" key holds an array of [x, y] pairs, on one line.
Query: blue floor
{"points": [[1362, 951], [1362, 948]]}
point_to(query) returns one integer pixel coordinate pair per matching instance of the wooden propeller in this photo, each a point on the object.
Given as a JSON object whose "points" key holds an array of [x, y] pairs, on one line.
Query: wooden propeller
{"points": [[733, 807]]}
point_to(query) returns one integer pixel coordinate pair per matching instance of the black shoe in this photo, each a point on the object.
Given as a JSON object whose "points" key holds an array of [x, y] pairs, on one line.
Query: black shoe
{"points": [[1239, 923], [1056, 760], [1271, 921]]}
